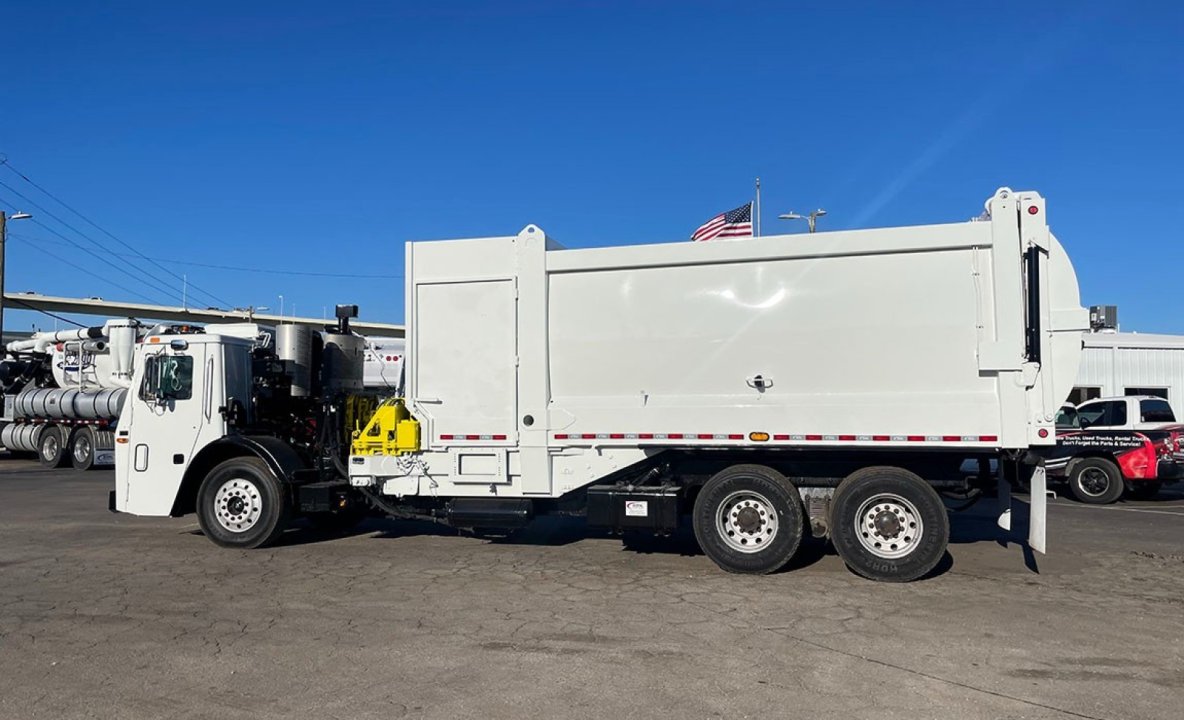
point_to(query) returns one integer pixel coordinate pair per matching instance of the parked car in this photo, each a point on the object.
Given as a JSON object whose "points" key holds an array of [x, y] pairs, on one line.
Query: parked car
{"points": [[1111, 445]]}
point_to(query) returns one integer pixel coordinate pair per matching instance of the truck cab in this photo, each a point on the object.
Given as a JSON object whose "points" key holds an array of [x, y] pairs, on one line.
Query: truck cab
{"points": [[1135, 412], [176, 406]]}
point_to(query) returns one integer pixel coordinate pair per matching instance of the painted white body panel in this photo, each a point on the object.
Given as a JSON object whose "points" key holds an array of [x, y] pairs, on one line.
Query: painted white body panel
{"points": [[536, 370], [383, 368]]}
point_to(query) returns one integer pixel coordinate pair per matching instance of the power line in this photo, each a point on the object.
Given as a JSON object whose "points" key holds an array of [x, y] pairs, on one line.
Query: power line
{"points": [[157, 286], [108, 233], [271, 271], [281, 272], [76, 266], [87, 250], [55, 316]]}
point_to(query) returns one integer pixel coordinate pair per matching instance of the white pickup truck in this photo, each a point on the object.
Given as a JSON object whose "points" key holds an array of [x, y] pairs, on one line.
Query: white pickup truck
{"points": [[1115, 444], [1136, 412]]}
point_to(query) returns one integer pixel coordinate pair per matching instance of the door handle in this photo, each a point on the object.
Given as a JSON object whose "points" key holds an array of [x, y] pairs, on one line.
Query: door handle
{"points": [[760, 382]]}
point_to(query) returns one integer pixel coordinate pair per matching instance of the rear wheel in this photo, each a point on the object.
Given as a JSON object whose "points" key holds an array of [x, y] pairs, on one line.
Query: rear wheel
{"points": [[888, 524], [242, 504], [748, 519], [1096, 481], [51, 448], [82, 449]]}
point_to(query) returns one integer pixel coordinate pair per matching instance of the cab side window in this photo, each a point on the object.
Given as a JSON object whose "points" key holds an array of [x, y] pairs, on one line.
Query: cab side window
{"points": [[1103, 414], [167, 377]]}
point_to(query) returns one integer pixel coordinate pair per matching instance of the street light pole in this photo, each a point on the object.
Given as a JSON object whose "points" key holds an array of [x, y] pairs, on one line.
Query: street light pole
{"points": [[3, 241], [811, 219]]}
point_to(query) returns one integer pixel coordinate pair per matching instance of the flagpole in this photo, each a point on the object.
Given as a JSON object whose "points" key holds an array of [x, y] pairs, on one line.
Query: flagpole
{"points": [[758, 207]]}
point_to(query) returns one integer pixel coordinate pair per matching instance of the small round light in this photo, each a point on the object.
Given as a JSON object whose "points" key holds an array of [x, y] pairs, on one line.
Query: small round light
{"points": [[1032, 209], [1042, 432]]}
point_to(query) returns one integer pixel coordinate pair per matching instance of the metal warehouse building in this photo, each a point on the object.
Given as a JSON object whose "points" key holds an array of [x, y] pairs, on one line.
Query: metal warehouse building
{"points": [[1116, 363]]}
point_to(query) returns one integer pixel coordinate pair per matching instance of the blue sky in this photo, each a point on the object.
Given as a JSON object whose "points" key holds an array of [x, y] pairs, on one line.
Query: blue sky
{"points": [[318, 137]]}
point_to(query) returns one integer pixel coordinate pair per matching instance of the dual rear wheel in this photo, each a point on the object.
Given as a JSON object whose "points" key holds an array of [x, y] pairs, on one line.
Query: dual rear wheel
{"points": [[886, 523], [57, 446]]}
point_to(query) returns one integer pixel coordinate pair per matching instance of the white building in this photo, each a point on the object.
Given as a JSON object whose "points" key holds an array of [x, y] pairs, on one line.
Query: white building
{"points": [[1119, 363]]}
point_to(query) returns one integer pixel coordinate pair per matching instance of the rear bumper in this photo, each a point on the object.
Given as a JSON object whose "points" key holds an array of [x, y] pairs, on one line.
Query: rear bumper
{"points": [[1169, 471]]}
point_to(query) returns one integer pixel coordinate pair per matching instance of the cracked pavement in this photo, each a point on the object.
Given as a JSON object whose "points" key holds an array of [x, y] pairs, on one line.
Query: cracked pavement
{"points": [[112, 616]]}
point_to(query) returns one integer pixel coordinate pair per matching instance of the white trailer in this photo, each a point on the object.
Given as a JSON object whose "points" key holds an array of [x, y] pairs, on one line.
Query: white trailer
{"points": [[768, 387]]}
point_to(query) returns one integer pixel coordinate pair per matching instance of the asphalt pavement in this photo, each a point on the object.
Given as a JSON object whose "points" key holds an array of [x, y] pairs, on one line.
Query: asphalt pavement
{"points": [[112, 616]]}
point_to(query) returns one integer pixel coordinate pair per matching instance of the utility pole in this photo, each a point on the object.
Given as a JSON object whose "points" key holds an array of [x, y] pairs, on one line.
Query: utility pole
{"points": [[3, 239]]}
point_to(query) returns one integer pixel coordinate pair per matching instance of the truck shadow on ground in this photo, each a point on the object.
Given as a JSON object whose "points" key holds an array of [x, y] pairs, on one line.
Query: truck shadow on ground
{"points": [[974, 525], [979, 524], [557, 532]]}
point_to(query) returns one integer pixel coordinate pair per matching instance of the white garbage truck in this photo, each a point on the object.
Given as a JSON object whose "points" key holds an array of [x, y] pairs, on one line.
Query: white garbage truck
{"points": [[761, 389]]}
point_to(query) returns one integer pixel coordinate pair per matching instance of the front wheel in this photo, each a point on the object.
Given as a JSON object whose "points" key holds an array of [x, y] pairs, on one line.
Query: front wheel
{"points": [[242, 504], [749, 519], [888, 524]]}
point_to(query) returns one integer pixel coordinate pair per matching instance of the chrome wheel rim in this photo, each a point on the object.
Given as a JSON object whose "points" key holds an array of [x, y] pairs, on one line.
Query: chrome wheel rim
{"points": [[1094, 481], [82, 448], [238, 505], [51, 447], [746, 521], [889, 526]]}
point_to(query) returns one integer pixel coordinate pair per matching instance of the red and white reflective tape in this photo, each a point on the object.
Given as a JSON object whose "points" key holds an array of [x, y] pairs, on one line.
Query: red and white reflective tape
{"points": [[473, 437], [649, 436], [780, 437]]}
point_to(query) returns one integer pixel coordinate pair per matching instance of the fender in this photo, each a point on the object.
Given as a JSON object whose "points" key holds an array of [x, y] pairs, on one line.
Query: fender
{"points": [[278, 455], [281, 459]]}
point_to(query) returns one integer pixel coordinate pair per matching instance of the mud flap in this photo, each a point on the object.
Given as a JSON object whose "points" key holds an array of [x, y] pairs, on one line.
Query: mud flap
{"points": [[1038, 503]]}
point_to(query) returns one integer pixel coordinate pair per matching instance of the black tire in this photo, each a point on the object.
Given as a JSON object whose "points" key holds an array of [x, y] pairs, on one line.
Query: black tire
{"points": [[733, 513], [1144, 489], [1096, 481], [872, 513], [51, 447], [242, 504], [82, 449]]}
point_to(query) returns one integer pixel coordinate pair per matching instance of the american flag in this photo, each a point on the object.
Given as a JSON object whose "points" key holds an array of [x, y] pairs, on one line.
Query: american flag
{"points": [[733, 223]]}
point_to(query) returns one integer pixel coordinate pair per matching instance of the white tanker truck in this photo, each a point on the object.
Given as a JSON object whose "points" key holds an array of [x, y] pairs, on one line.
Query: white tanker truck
{"points": [[63, 391]]}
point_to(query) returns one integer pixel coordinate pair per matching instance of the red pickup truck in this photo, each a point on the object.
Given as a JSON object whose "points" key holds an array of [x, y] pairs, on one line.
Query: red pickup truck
{"points": [[1109, 446]]}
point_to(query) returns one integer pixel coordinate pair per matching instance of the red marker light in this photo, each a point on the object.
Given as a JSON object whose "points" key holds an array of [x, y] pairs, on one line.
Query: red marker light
{"points": [[1032, 209], [1042, 432]]}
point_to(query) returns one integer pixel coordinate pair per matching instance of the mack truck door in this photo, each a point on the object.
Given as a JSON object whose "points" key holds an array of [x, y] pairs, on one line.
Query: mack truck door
{"points": [[168, 409]]}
